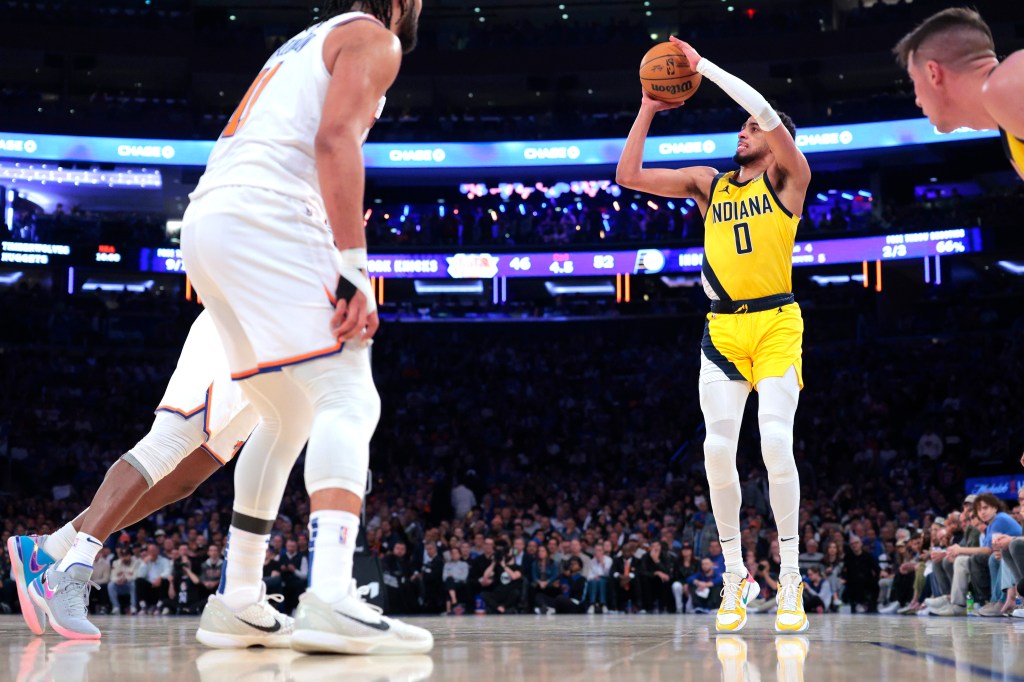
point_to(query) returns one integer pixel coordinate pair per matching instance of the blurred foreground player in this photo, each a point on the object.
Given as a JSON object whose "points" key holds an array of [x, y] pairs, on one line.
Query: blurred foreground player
{"points": [[273, 240], [960, 83], [200, 424], [753, 335]]}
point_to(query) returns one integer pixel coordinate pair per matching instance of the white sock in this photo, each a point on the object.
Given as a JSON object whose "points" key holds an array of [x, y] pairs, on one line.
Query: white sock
{"points": [[243, 568], [789, 554], [332, 547], [733, 553], [58, 544], [83, 552]]}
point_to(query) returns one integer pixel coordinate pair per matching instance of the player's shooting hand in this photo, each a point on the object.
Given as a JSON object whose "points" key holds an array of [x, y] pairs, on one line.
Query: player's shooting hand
{"points": [[688, 51], [656, 105]]}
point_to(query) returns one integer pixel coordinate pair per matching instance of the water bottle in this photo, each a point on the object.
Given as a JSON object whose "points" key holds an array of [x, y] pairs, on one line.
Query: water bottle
{"points": [[479, 606], [970, 602]]}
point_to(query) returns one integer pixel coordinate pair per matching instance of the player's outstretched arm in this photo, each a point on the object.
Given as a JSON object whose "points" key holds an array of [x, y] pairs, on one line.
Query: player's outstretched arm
{"points": [[692, 183], [1002, 93], [791, 162]]}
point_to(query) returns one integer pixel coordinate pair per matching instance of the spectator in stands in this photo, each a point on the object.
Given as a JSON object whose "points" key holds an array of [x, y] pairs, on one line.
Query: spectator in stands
{"points": [[401, 580], [656, 570], [185, 590], [860, 576], [463, 500], [502, 582], [456, 582], [210, 571], [100, 576], [152, 580], [817, 591], [998, 523], [8, 588], [597, 579], [626, 579], [294, 567], [123, 572], [705, 587], [810, 556], [431, 581]]}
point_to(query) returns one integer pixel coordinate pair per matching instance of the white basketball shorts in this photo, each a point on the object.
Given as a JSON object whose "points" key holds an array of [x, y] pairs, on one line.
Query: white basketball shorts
{"points": [[266, 268], [201, 388]]}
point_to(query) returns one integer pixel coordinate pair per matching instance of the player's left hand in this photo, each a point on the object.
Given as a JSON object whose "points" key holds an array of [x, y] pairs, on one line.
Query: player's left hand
{"points": [[688, 51]]}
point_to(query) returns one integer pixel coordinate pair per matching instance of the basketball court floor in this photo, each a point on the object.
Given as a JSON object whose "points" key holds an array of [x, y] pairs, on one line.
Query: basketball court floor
{"points": [[547, 649]]}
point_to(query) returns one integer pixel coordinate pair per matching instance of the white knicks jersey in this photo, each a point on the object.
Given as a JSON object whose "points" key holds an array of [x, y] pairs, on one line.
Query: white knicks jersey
{"points": [[268, 141]]}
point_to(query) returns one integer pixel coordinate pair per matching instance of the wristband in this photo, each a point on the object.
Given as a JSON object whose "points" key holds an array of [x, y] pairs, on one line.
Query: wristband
{"points": [[355, 258]]}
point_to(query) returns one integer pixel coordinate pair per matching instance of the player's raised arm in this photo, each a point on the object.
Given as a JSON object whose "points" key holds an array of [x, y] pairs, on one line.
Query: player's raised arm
{"points": [[692, 183], [363, 58], [1002, 94], [790, 160]]}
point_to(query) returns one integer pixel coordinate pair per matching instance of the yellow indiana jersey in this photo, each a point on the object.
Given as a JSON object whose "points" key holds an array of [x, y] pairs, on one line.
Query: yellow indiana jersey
{"points": [[748, 240], [1014, 149]]}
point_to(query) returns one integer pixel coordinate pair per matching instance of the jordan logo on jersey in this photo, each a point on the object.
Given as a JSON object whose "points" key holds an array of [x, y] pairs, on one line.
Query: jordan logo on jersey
{"points": [[729, 211]]}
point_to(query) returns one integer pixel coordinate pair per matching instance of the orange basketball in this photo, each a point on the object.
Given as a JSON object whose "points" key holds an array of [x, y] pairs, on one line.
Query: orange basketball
{"points": [[665, 74]]}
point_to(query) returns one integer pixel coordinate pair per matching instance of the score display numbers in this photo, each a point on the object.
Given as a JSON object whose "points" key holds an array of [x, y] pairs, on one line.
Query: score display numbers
{"points": [[666, 261]]}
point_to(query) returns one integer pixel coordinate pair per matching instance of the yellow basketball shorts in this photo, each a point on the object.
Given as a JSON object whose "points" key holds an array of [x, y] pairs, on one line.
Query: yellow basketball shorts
{"points": [[752, 346]]}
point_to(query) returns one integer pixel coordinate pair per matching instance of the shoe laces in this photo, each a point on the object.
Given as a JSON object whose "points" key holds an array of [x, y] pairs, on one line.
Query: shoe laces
{"points": [[74, 594], [354, 593], [730, 592], [787, 597]]}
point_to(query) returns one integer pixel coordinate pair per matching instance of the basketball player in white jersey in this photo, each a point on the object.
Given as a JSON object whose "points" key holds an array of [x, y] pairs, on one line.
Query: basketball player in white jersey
{"points": [[200, 424], [274, 243]]}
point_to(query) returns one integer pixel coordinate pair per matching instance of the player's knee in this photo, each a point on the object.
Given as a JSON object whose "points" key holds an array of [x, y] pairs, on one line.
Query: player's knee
{"points": [[777, 450], [720, 460], [161, 450]]}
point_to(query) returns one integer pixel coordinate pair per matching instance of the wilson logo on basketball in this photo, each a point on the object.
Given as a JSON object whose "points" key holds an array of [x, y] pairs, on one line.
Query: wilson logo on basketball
{"points": [[672, 88]]}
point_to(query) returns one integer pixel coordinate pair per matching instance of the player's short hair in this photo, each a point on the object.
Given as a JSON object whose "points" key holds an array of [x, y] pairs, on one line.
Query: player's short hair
{"points": [[377, 8], [787, 122], [951, 37]]}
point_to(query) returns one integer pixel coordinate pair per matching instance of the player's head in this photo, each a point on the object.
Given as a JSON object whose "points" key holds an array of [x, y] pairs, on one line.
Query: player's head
{"points": [[751, 145], [937, 54], [401, 16]]}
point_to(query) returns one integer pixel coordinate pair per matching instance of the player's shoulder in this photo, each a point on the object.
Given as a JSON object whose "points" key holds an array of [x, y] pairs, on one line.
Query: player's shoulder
{"points": [[1006, 78], [363, 30]]}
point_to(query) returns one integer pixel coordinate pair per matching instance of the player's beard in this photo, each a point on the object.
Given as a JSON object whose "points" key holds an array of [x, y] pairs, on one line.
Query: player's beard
{"points": [[408, 26], [748, 157]]}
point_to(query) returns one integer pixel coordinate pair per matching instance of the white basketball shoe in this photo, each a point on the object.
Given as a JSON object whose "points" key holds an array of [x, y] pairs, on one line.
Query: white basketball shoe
{"points": [[351, 626]]}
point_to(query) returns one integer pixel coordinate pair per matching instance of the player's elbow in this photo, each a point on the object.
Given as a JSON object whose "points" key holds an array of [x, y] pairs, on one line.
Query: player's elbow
{"points": [[335, 141], [625, 178]]}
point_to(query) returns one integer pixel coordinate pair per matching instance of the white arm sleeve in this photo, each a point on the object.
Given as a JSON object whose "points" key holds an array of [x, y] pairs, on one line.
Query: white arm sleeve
{"points": [[744, 95]]}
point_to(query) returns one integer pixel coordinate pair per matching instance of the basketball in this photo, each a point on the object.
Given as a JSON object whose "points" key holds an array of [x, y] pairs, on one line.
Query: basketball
{"points": [[665, 74]]}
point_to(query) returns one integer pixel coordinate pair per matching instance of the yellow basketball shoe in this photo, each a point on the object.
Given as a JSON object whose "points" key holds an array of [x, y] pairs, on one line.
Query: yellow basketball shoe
{"points": [[732, 654], [737, 592], [790, 616]]}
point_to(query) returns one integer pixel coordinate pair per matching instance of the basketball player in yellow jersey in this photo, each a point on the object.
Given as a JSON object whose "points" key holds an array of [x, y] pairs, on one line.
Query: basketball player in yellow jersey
{"points": [[960, 83], [754, 331]]}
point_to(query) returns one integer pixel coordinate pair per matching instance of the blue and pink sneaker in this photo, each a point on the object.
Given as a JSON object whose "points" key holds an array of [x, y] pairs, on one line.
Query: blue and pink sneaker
{"points": [[64, 597], [29, 562]]}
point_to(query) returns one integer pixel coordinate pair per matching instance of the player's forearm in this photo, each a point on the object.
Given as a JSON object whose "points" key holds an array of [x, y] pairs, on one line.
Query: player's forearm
{"points": [[741, 93], [631, 161], [339, 164]]}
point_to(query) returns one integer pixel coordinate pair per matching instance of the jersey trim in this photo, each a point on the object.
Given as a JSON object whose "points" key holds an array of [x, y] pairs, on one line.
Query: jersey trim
{"points": [[732, 180], [278, 365], [712, 278], [184, 414], [208, 450], [775, 197], [715, 356]]}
